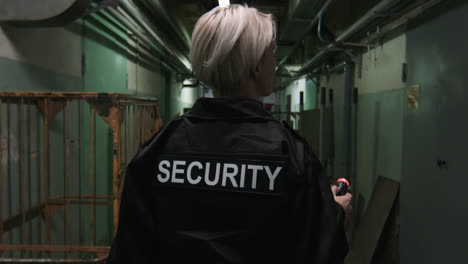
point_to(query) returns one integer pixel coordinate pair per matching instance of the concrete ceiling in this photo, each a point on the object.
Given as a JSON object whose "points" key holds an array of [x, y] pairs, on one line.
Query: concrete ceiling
{"points": [[187, 12], [292, 17]]}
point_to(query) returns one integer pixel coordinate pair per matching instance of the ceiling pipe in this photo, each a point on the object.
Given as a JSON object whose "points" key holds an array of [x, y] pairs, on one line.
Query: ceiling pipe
{"points": [[118, 17], [367, 18], [415, 12], [146, 43], [158, 8], [306, 31], [357, 26], [145, 24], [138, 17], [146, 39], [117, 20]]}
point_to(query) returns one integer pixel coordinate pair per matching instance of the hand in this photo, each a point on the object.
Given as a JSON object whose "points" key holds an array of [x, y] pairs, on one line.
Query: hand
{"points": [[344, 200]]}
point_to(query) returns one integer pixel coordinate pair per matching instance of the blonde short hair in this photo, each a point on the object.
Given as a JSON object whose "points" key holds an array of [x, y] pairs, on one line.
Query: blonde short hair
{"points": [[227, 45]]}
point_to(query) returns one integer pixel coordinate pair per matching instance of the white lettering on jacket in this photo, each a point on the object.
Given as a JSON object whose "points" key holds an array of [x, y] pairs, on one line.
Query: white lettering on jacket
{"points": [[222, 175]]}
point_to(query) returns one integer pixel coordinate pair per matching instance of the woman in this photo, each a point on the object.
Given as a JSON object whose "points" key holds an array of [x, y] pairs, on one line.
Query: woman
{"points": [[226, 183]]}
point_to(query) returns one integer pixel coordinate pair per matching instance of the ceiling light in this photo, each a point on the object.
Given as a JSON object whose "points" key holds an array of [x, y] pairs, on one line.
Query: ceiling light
{"points": [[223, 3]]}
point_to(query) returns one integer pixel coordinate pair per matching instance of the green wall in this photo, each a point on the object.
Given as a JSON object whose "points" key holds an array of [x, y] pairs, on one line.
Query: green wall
{"points": [[176, 97], [20, 76], [434, 208], [379, 117], [293, 89]]}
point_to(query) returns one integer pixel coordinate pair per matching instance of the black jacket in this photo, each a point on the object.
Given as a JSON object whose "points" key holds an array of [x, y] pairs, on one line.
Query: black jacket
{"points": [[226, 183]]}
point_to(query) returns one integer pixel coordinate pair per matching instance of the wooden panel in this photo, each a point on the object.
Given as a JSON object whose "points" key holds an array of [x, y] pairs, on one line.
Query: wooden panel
{"points": [[370, 230]]}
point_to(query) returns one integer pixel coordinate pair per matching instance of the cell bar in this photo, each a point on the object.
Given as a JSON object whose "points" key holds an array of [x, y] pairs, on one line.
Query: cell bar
{"points": [[135, 130], [82, 197], [38, 168], [50, 260], [143, 124], [1, 173], [21, 171], [56, 248], [29, 157], [127, 136], [91, 173], [140, 115], [47, 168], [67, 174], [116, 174], [10, 209], [79, 170]]}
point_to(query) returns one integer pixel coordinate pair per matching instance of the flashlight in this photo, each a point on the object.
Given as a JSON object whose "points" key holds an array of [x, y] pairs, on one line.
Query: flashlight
{"points": [[343, 185]]}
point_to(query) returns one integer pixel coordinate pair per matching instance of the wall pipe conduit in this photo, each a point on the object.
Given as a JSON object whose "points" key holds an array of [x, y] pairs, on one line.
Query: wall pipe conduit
{"points": [[306, 31], [358, 25]]}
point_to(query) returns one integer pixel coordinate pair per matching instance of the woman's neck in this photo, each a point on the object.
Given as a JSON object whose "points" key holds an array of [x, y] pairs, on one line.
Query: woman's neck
{"points": [[247, 89]]}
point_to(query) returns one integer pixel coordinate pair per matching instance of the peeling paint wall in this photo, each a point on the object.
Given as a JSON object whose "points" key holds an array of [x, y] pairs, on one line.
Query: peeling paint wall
{"points": [[380, 115], [382, 67]]}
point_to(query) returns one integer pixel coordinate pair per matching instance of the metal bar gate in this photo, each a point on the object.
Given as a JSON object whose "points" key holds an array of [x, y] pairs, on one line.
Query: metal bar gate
{"points": [[62, 169]]}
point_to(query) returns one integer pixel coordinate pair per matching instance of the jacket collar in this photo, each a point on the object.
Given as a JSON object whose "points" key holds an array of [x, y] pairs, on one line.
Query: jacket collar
{"points": [[228, 108]]}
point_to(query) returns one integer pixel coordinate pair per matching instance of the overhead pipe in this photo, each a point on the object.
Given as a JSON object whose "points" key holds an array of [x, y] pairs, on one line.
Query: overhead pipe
{"points": [[368, 17], [148, 44], [418, 10], [159, 9], [144, 54], [306, 31], [119, 23], [100, 21], [358, 25], [337, 68], [140, 19], [170, 62], [121, 20], [133, 12]]}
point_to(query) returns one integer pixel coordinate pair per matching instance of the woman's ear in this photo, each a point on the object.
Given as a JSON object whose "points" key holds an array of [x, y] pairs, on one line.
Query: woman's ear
{"points": [[256, 71]]}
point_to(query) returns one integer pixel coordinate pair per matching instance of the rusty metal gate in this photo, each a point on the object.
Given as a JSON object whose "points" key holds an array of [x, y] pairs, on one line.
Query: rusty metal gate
{"points": [[61, 171]]}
